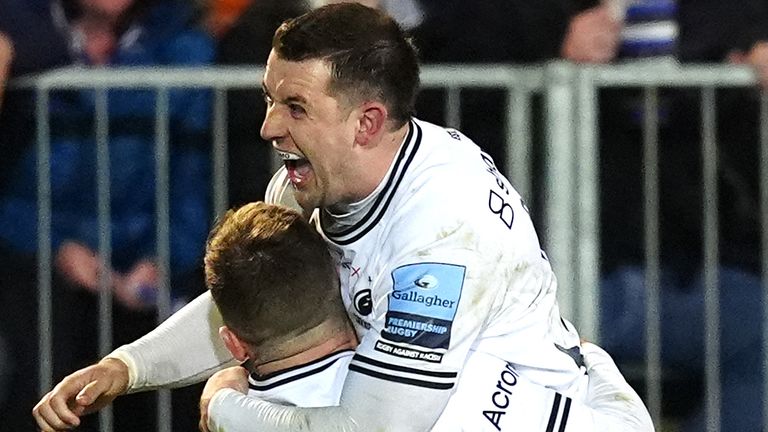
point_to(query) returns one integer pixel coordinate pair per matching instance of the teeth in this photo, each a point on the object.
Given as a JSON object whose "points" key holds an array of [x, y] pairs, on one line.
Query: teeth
{"points": [[288, 156]]}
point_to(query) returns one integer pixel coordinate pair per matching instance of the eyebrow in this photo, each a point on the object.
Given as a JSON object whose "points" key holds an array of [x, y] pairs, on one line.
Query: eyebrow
{"points": [[289, 99]]}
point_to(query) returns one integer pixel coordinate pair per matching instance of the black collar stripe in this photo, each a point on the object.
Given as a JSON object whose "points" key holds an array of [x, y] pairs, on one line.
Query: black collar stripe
{"points": [[269, 381], [374, 215], [387, 187]]}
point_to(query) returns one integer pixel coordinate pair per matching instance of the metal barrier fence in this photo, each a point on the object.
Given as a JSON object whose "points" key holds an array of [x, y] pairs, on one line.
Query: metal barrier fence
{"points": [[569, 185]]}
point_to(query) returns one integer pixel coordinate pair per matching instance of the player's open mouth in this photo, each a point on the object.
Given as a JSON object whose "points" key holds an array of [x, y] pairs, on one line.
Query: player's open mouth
{"points": [[298, 168]]}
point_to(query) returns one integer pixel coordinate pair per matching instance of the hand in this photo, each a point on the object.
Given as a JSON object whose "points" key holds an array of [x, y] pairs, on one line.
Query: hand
{"points": [[83, 392], [138, 288], [757, 57], [79, 265], [616, 405], [235, 377], [593, 36]]}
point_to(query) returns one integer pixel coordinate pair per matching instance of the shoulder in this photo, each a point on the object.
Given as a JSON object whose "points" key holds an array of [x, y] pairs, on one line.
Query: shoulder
{"points": [[454, 193]]}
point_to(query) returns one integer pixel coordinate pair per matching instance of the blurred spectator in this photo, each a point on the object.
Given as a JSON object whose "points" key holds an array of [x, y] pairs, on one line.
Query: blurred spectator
{"points": [[221, 15], [248, 42], [6, 58], [684, 31], [593, 35], [491, 31], [109, 33], [31, 41], [35, 30]]}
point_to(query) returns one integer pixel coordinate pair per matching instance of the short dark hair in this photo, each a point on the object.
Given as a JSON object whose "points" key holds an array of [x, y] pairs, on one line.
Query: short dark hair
{"points": [[270, 274], [369, 54]]}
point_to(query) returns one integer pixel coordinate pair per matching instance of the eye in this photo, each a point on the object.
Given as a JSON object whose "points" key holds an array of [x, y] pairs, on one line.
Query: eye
{"points": [[296, 110]]}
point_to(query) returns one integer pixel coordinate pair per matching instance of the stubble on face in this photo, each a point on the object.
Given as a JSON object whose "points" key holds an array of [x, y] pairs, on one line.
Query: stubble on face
{"points": [[311, 129]]}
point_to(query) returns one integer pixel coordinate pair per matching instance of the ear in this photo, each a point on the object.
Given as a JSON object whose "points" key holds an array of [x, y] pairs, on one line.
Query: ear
{"points": [[233, 343], [372, 121]]}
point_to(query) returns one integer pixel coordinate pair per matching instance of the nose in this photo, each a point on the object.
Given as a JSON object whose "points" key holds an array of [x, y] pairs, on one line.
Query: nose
{"points": [[273, 127]]}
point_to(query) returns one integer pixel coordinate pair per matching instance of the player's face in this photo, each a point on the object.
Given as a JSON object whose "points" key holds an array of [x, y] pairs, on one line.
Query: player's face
{"points": [[313, 132]]}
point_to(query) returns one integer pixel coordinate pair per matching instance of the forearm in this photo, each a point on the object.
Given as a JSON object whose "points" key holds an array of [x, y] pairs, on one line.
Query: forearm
{"points": [[183, 350], [231, 411], [367, 404]]}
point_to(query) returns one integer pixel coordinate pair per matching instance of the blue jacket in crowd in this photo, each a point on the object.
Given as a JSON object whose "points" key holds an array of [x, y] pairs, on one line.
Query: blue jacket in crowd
{"points": [[165, 36]]}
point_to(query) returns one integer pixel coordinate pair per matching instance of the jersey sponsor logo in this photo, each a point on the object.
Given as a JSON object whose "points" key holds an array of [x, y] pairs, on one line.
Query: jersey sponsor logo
{"points": [[423, 304], [427, 282], [363, 302], [427, 301], [410, 353], [500, 396], [413, 327]]}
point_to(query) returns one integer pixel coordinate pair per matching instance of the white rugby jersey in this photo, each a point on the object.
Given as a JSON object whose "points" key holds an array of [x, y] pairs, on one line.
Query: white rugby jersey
{"points": [[442, 258], [489, 397], [314, 384]]}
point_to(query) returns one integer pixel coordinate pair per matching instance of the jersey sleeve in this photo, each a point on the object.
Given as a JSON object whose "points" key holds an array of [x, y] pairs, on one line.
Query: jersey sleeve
{"points": [[183, 350], [491, 396], [367, 404]]}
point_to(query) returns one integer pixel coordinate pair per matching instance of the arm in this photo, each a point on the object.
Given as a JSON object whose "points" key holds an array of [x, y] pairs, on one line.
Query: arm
{"points": [[193, 329], [362, 408], [617, 406], [491, 396]]}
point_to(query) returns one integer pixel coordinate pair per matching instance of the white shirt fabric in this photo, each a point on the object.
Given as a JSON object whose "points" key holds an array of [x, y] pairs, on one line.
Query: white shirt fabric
{"points": [[314, 384], [490, 396], [443, 258]]}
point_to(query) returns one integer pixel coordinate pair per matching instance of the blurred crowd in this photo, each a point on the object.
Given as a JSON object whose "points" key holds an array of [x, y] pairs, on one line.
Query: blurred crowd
{"points": [[40, 35]]}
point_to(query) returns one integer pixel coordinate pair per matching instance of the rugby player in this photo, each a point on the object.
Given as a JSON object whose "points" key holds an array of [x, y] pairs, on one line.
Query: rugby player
{"points": [[297, 343], [404, 205]]}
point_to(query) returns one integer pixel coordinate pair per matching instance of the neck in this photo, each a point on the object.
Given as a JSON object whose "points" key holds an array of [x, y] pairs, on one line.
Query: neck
{"points": [[374, 166], [339, 340]]}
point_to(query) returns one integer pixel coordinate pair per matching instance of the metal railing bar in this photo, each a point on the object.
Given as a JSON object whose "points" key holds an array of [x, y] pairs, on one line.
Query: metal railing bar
{"points": [[44, 252], [105, 238], [162, 203], [711, 261], [653, 369], [587, 179], [220, 153]]}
